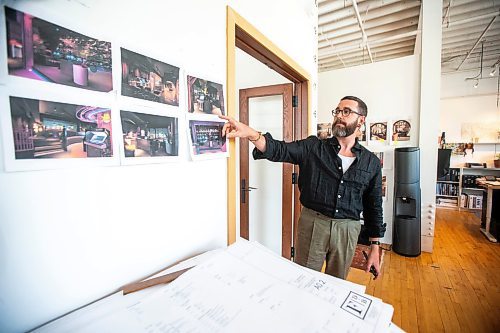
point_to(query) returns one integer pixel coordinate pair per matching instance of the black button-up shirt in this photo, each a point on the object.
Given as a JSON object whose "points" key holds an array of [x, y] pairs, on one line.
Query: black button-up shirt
{"points": [[325, 188]]}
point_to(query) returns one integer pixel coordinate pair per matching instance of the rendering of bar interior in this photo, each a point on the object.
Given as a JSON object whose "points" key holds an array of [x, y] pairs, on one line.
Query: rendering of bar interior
{"points": [[43, 129], [43, 51], [146, 135], [206, 136], [149, 79]]}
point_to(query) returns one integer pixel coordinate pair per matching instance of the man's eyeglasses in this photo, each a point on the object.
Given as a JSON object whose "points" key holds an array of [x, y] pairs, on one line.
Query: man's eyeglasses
{"points": [[345, 112]]}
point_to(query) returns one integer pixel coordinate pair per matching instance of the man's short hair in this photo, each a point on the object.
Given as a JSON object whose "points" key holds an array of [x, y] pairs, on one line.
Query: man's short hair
{"points": [[363, 109]]}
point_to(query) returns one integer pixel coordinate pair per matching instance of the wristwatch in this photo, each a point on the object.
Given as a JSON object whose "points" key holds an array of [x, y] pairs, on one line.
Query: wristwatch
{"points": [[374, 242]]}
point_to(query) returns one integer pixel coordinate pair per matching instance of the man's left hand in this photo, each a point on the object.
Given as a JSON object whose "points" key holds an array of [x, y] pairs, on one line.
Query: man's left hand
{"points": [[373, 259]]}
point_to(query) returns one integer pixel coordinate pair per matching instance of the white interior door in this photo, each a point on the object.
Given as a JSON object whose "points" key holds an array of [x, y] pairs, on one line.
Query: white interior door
{"points": [[265, 217]]}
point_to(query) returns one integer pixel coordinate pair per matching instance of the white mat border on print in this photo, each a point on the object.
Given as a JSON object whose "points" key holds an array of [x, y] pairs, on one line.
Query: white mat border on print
{"points": [[412, 130], [117, 79], [62, 94], [377, 143], [209, 156], [41, 12], [157, 110], [207, 78]]}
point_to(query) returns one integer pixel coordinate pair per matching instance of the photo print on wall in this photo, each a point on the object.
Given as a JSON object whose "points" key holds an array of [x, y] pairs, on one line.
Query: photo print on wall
{"points": [[361, 134], [401, 131], [205, 97], [149, 79], [40, 50], [205, 139], [384, 188], [324, 130], [380, 156], [52, 130], [147, 135], [378, 132]]}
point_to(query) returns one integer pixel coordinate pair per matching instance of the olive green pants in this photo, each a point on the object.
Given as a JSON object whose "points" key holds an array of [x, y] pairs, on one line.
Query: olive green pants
{"points": [[322, 238]]}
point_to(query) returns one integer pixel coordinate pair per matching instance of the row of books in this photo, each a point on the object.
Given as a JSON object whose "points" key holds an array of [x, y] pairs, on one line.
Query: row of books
{"points": [[471, 201], [446, 189], [447, 202]]}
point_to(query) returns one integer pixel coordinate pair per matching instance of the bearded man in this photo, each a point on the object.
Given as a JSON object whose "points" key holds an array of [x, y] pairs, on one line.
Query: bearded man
{"points": [[339, 179]]}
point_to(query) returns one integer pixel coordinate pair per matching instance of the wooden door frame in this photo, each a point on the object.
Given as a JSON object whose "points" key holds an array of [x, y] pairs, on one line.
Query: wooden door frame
{"points": [[286, 92], [240, 33]]}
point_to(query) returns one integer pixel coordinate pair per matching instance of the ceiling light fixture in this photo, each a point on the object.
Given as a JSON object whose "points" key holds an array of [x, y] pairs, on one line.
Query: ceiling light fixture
{"points": [[494, 67], [476, 84], [493, 71]]}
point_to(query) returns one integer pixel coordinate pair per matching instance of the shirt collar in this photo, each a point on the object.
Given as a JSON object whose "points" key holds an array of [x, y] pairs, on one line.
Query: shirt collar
{"points": [[355, 149]]}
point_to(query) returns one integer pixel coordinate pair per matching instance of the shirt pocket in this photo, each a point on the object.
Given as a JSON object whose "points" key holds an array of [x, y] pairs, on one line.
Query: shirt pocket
{"points": [[361, 178]]}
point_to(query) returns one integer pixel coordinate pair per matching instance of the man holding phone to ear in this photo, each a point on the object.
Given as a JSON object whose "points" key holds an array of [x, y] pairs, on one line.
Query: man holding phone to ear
{"points": [[338, 180]]}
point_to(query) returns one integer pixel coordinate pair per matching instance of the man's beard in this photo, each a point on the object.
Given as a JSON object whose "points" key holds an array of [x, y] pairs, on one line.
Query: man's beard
{"points": [[343, 131]]}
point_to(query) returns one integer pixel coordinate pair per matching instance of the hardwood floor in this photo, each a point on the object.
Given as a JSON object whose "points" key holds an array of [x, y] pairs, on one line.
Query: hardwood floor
{"points": [[454, 289]]}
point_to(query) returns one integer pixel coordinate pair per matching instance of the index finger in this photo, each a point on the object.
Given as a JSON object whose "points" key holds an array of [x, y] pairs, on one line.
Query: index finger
{"points": [[224, 117]]}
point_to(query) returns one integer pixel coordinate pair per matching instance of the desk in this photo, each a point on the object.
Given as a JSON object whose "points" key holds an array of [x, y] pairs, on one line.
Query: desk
{"points": [[489, 186]]}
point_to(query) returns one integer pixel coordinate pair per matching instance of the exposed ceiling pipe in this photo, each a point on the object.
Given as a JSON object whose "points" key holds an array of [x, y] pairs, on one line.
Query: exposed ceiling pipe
{"points": [[336, 54], [477, 42], [360, 22], [446, 15]]}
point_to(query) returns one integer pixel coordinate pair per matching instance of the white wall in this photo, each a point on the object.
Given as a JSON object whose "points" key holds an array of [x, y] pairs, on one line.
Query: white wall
{"points": [[57, 253], [390, 89], [454, 85], [462, 104]]}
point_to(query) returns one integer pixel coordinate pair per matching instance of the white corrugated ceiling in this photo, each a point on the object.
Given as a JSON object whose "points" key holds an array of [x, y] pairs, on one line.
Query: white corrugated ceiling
{"points": [[355, 32]]}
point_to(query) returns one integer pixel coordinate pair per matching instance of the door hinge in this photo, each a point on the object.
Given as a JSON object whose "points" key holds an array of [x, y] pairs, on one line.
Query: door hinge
{"points": [[292, 252], [294, 178], [295, 101]]}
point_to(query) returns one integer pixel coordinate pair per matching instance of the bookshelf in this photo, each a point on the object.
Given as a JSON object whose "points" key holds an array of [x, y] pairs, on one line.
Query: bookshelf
{"points": [[448, 190], [461, 191]]}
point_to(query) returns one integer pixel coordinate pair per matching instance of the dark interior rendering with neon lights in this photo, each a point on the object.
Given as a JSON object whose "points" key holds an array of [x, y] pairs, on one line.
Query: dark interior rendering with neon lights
{"points": [[44, 129], [149, 79], [147, 135], [40, 50]]}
